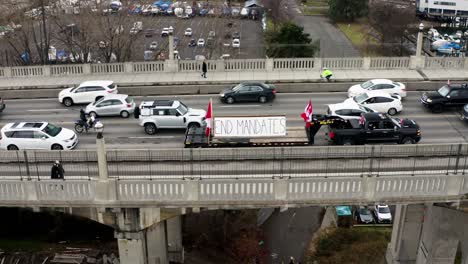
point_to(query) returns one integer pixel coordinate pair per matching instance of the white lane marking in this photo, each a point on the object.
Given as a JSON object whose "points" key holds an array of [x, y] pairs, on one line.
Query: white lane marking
{"points": [[152, 137], [237, 106], [47, 110]]}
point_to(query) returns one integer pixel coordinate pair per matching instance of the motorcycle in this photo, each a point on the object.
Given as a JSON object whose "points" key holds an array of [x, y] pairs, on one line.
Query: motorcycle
{"points": [[81, 126]]}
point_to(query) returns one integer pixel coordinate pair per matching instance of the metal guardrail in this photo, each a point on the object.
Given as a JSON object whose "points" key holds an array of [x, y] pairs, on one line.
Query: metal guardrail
{"points": [[362, 63], [245, 163]]}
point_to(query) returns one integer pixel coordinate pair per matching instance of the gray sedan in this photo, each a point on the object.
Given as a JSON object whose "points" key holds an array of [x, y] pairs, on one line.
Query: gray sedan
{"points": [[112, 105]]}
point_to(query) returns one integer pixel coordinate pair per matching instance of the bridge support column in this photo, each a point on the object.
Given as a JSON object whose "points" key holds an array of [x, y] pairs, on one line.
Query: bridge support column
{"points": [[147, 246], [174, 239], [406, 233]]}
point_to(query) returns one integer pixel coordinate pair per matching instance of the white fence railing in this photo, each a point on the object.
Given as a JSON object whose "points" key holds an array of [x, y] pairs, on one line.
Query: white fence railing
{"points": [[234, 192], [365, 63]]}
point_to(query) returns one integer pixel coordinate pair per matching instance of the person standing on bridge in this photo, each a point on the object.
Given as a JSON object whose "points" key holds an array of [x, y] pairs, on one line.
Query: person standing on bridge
{"points": [[57, 171], [204, 69], [327, 74]]}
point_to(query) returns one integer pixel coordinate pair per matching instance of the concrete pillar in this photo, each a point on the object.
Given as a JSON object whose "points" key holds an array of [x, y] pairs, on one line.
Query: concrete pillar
{"points": [[406, 233], [7, 71], [101, 156], [171, 47], [86, 68], [281, 189], [174, 233], [417, 62], [419, 42], [132, 250], [318, 63], [156, 244], [46, 70], [269, 64], [366, 63], [128, 67]]}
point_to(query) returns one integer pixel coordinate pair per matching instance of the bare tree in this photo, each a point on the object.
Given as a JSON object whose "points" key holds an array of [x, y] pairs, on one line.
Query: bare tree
{"points": [[390, 21]]}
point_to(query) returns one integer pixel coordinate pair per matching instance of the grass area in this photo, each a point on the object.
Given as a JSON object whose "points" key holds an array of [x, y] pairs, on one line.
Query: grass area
{"points": [[357, 34], [314, 11], [315, 3], [351, 245]]}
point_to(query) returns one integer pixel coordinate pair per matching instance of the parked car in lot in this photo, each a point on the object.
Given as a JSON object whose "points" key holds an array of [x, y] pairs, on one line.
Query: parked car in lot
{"points": [[112, 105], [445, 97], [379, 102], [201, 42], [192, 43], [87, 92], [211, 34], [36, 135], [155, 115], [235, 35], [153, 45], [188, 32], [165, 32], [236, 43], [249, 92], [348, 110], [383, 85], [382, 214], [363, 215]]}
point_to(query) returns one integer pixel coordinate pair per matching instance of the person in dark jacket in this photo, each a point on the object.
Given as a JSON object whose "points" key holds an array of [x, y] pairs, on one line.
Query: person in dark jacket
{"points": [[204, 69], [83, 119], [57, 171]]}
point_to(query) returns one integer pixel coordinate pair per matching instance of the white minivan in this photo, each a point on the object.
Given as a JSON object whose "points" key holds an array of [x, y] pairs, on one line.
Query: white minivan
{"points": [[87, 92], [36, 135]]}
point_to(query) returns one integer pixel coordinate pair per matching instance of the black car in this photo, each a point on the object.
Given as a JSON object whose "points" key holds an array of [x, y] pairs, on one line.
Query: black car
{"points": [[192, 43], [447, 96], [249, 92]]}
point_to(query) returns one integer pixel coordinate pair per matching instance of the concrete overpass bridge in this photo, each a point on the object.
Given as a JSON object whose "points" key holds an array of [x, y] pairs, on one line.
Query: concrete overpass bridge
{"points": [[144, 203]]}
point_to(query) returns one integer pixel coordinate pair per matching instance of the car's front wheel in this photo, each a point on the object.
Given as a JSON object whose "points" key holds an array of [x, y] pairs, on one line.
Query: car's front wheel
{"points": [[56, 147], [150, 129], [407, 140], [68, 102], [229, 100]]}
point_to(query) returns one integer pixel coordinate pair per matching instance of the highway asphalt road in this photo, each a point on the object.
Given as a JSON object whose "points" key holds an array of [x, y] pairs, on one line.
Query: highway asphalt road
{"points": [[126, 133]]}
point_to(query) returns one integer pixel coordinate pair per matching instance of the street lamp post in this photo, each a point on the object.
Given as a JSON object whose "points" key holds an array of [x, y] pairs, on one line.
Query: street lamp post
{"points": [[420, 40], [101, 151]]}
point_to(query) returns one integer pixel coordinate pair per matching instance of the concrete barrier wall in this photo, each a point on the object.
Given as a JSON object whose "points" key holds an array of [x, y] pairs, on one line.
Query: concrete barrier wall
{"points": [[209, 89]]}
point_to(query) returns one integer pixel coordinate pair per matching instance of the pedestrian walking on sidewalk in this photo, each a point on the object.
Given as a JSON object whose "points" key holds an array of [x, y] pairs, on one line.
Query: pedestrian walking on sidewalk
{"points": [[204, 69], [291, 260], [327, 74], [57, 171]]}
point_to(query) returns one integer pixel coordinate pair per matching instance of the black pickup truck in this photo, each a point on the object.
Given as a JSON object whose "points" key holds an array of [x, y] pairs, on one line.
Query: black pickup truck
{"points": [[371, 128]]}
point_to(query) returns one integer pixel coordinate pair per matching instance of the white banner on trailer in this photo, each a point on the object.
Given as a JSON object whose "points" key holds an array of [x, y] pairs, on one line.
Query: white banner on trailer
{"points": [[250, 127]]}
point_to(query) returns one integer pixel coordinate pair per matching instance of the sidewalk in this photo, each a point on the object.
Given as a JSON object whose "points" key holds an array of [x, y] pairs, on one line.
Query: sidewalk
{"points": [[194, 78]]}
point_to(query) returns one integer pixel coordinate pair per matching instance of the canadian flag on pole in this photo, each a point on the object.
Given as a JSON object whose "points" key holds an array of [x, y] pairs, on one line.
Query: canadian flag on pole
{"points": [[307, 114], [208, 117]]}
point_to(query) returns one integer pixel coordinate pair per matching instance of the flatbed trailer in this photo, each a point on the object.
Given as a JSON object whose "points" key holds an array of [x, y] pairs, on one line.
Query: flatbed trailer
{"points": [[196, 137]]}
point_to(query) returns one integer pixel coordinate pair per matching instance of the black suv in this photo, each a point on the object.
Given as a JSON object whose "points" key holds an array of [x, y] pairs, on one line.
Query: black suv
{"points": [[447, 96]]}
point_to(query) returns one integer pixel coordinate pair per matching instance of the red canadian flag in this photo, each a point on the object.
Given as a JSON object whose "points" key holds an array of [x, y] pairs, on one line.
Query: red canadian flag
{"points": [[307, 114], [208, 118]]}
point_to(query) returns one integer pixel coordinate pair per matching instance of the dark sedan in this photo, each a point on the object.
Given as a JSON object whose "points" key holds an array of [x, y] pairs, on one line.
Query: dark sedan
{"points": [[249, 92]]}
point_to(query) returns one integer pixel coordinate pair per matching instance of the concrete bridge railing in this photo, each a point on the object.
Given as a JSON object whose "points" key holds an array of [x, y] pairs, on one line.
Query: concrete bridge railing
{"points": [[269, 65], [234, 193]]}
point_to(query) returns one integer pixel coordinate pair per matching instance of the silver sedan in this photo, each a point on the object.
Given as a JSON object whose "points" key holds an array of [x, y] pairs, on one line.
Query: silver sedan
{"points": [[112, 105]]}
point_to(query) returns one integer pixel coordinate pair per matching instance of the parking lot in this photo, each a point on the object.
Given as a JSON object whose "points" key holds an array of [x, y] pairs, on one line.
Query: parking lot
{"points": [[250, 32]]}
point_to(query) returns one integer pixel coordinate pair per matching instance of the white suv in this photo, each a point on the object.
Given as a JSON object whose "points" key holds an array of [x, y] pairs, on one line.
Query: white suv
{"points": [[87, 92], [155, 115], [383, 214], [36, 135]]}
